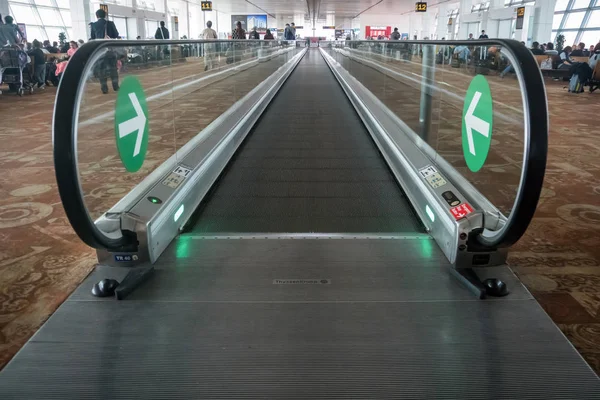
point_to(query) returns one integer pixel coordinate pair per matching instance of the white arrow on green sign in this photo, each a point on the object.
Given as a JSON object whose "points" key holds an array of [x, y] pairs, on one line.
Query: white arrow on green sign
{"points": [[131, 124], [477, 123]]}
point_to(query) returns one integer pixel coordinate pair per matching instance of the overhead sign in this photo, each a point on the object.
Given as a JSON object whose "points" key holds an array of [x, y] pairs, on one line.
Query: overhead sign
{"points": [[206, 5], [520, 17], [104, 7], [421, 6], [328, 26], [131, 124], [477, 123]]}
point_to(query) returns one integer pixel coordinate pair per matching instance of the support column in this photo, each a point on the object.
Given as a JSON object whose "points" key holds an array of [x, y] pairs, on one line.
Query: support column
{"points": [[4, 8], [140, 22], [525, 33], [80, 19], [465, 9], [543, 17], [442, 22]]}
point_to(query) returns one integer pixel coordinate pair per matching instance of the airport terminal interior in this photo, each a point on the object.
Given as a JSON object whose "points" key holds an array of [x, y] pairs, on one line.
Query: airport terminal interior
{"points": [[299, 199]]}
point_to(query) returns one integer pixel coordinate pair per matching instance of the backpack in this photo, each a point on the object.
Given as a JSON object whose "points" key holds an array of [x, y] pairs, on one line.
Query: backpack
{"points": [[575, 85], [395, 36]]}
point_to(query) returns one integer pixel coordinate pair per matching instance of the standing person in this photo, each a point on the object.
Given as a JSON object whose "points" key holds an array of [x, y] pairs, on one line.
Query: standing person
{"points": [[293, 27], [39, 64], [107, 66], [269, 35], [162, 32], [254, 34], [471, 37], [238, 32], [288, 33], [51, 49], [209, 48], [9, 33], [395, 35], [483, 35]]}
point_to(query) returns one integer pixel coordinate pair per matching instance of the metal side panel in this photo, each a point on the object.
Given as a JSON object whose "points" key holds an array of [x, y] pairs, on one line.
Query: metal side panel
{"points": [[493, 217], [414, 168], [157, 224], [299, 319]]}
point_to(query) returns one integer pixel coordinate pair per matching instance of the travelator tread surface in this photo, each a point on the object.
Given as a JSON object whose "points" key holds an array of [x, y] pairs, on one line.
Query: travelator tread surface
{"points": [[308, 165], [383, 319]]}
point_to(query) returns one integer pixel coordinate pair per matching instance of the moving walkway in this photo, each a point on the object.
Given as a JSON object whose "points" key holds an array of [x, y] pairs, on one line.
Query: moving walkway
{"points": [[311, 241]]}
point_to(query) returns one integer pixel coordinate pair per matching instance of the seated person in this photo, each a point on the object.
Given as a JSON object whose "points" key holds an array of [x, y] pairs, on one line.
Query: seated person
{"points": [[594, 57], [535, 49], [550, 49], [73, 46], [463, 53], [579, 51], [565, 58]]}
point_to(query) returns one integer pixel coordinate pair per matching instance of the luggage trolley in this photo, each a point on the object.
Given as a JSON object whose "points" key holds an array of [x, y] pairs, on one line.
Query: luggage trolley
{"points": [[12, 63]]}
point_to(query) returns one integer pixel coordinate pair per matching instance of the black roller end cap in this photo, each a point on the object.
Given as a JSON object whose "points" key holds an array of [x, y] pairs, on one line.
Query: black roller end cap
{"points": [[105, 288], [495, 287]]}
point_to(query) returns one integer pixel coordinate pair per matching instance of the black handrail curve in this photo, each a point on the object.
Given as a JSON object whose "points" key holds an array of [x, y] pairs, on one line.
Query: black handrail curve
{"points": [[65, 146], [536, 136]]}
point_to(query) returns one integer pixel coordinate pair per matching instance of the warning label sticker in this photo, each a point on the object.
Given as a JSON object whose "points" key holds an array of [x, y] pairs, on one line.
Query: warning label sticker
{"points": [[461, 211], [433, 177]]}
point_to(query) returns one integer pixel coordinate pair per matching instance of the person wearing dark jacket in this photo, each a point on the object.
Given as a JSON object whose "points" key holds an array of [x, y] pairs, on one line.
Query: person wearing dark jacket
{"points": [[254, 34], [107, 65], [269, 35], [162, 33], [51, 49], [103, 29], [39, 64]]}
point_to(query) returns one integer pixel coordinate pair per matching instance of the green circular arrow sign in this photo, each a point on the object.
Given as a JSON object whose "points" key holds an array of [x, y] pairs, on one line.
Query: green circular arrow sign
{"points": [[477, 123], [131, 124]]}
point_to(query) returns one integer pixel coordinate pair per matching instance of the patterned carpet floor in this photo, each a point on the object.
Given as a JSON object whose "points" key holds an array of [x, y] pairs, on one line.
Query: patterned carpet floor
{"points": [[42, 261]]}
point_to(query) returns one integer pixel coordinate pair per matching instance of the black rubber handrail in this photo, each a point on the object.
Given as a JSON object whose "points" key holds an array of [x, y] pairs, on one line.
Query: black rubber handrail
{"points": [[64, 125], [65, 146], [536, 136]]}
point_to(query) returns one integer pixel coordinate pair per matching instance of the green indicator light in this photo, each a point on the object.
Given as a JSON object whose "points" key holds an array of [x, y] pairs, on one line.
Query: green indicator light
{"points": [[154, 200], [178, 213], [430, 213]]}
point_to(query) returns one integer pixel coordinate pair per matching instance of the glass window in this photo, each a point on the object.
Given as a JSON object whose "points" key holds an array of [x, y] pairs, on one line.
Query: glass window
{"points": [[561, 5], [574, 20], [557, 20], [47, 3], [66, 17], [580, 4], [121, 24], [50, 16], [24, 14], [53, 32], [63, 3], [35, 32], [590, 38], [569, 38], [594, 21]]}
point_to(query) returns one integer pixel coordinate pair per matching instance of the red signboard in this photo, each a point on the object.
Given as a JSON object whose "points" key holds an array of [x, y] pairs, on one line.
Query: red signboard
{"points": [[376, 31], [461, 211]]}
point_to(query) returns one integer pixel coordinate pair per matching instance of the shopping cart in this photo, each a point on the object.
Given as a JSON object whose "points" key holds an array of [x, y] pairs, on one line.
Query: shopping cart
{"points": [[13, 70]]}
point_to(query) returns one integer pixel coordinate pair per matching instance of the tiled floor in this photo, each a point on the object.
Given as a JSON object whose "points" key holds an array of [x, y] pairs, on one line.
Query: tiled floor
{"points": [[42, 260]]}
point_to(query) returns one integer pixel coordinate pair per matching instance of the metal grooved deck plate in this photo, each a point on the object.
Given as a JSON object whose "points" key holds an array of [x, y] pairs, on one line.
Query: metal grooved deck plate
{"points": [[309, 165], [211, 324]]}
